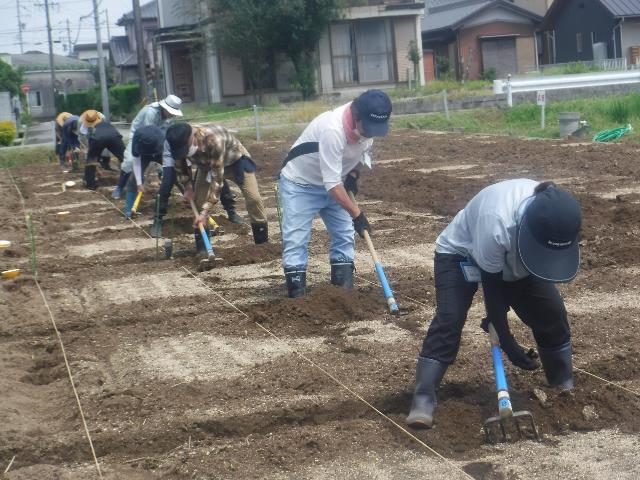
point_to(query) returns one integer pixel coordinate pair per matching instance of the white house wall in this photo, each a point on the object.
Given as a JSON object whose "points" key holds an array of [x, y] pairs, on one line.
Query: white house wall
{"points": [[630, 34], [175, 13], [405, 32], [326, 72]]}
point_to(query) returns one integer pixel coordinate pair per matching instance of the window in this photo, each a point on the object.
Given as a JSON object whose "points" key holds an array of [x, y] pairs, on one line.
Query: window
{"points": [[362, 52], [579, 42], [35, 99]]}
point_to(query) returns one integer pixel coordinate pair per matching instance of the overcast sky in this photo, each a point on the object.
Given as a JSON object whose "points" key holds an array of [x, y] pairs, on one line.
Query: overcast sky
{"points": [[33, 17]]}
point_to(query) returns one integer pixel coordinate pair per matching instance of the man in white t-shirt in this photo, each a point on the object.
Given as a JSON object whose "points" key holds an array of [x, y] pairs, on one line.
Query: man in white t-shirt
{"points": [[518, 238], [321, 163]]}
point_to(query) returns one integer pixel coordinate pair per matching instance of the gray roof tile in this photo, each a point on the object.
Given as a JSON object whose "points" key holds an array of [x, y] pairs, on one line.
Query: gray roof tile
{"points": [[623, 8]]}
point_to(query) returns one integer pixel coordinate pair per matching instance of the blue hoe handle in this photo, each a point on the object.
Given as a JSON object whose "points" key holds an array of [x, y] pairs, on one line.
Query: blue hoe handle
{"points": [[388, 294], [205, 239]]}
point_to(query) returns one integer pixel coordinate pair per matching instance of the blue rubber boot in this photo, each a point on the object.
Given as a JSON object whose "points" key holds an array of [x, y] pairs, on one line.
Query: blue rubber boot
{"points": [[128, 203], [117, 192]]}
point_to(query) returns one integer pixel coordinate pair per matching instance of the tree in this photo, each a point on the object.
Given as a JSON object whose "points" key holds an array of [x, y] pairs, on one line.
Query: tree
{"points": [[254, 31], [241, 29], [10, 79], [299, 24]]}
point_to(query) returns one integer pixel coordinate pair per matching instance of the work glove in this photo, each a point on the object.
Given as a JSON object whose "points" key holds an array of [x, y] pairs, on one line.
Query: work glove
{"points": [[351, 182], [526, 360], [360, 223]]}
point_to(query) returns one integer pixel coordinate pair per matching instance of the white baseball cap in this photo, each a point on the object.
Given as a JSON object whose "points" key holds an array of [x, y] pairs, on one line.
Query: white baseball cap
{"points": [[172, 105]]}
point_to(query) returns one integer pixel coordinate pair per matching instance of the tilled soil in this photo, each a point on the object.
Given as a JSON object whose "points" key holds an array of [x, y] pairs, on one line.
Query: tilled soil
{"points": [[186, 374]]}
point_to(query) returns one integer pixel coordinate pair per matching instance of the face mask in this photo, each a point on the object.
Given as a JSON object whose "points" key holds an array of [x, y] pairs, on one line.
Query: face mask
{"points": [[192, 150]]}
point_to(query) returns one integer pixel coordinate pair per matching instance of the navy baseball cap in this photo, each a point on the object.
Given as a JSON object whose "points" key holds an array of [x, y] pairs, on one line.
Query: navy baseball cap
{"points": [[374, 110], [148, 141], [548, 235], [178, 136]]}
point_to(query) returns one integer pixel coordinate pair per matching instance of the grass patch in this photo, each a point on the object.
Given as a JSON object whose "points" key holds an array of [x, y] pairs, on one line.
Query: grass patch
{"points": [[602, 113], [453, 88], [11, 157]]}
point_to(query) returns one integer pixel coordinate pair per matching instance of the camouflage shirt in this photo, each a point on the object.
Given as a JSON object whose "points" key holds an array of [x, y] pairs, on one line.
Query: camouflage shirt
{"points": [[217, 148]]}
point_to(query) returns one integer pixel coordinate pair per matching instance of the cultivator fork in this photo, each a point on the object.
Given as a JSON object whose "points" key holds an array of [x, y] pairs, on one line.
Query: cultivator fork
{"points": [[521, 424], [502, 427]]}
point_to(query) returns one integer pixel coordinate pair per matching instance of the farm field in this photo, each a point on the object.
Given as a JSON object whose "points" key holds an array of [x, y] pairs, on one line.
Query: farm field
{"points": [[200, 375]]}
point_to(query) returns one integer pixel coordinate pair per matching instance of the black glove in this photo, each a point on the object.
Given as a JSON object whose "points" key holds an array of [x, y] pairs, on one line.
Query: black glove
{"points": [[527, 360], [360, 223], [351, 182]]}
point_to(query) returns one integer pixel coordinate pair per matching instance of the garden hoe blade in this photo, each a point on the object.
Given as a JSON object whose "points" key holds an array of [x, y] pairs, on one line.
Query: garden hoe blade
{"points": [[209, 262], [507, 425]]}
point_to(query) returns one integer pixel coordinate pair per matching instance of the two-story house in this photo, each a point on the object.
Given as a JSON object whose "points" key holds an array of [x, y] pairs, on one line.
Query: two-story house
{"points": [[367, 47], [123, 47]]}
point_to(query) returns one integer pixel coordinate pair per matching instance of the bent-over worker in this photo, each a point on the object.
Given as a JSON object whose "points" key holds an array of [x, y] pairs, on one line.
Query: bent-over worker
{"points": [[518, 238]]}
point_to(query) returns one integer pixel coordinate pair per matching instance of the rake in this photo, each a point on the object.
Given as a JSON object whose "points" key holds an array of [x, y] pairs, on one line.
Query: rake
{"points": [[507, 421]]}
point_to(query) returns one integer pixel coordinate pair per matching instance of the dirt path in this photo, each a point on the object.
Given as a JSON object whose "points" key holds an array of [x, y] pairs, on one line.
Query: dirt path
{"points": [[178, 383]]}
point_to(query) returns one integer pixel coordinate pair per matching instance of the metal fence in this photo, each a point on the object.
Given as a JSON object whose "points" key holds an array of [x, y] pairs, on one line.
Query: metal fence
{"points": [[604, 65], [557, 82]]}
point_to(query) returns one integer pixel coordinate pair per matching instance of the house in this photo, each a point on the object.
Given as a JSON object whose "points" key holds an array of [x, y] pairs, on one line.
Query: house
{"points": [[468, 38], [123, 47], [584, 30], [89, 52], [367, 48], [71, 75]]}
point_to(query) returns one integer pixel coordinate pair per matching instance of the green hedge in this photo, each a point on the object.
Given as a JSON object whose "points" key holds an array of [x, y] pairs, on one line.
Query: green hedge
{"points": [[7, 133], [78, 102], [124, 100]]}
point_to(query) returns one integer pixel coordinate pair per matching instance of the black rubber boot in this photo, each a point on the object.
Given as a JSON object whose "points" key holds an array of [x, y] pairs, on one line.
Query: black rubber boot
{"points": [[429, 373], [105, 163], [156, 229], [260, 233], [296, 282], [90, 177], [557, 365], [233, 216], [342, 274], [228, 200]]}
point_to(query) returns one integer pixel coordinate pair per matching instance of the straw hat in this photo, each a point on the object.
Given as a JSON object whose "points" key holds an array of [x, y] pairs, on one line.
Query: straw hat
{"points": [[90, 118], [62, 117]]}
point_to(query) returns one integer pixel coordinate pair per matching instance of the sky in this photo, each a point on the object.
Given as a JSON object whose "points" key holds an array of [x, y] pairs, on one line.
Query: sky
{"points": [[34, 19]]}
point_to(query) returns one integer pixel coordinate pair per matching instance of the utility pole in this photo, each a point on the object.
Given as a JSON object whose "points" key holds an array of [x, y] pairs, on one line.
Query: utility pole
{"points": [[142, 67], [106, 16], [19, 27], [51, 66], [69, 37], [101, 67]]}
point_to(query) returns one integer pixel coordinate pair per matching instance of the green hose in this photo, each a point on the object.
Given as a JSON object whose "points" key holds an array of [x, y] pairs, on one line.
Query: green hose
{"points": [[613, 134]]}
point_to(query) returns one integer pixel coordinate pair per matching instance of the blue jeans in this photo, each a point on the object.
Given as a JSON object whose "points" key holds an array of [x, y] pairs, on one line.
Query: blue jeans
{"points": [[300, 205]]}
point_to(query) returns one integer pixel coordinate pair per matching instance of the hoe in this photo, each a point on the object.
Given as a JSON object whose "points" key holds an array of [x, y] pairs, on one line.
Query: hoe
{"points": [[209, 262], [502, 427]]}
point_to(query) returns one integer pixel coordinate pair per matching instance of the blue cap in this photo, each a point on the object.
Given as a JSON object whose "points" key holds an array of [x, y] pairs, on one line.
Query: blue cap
{"points": [[548, 235], [147, 141], [374, 110]]}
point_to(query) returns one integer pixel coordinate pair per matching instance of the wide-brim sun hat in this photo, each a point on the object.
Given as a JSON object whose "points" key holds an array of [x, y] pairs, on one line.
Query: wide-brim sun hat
{"points": [[90, 118], [172, 104], [548, 242], [148, 140], [62, 117]]}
